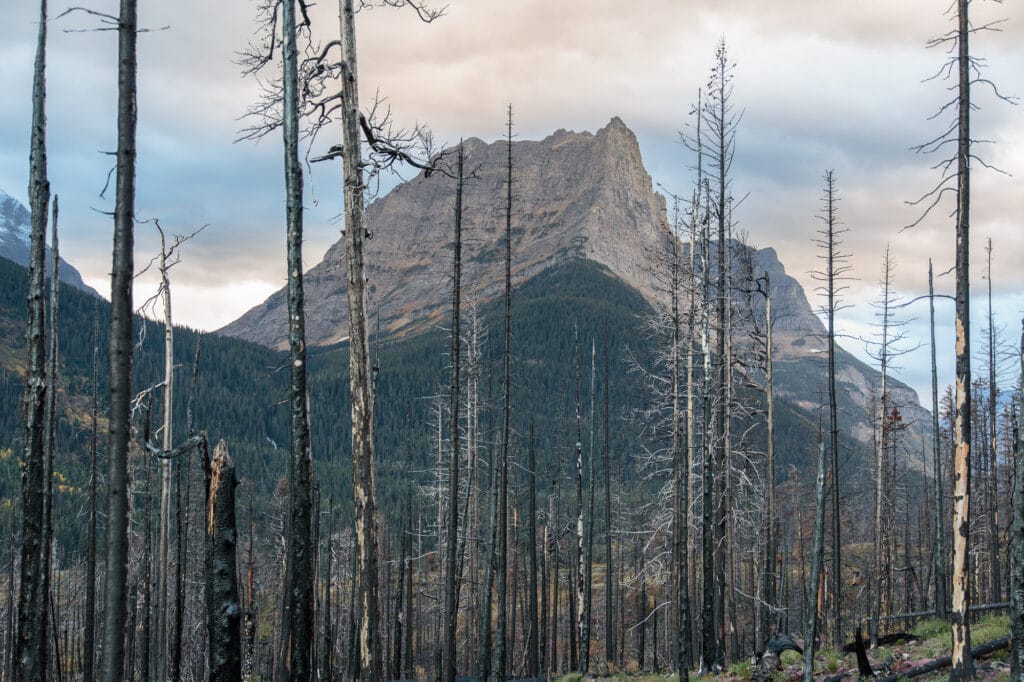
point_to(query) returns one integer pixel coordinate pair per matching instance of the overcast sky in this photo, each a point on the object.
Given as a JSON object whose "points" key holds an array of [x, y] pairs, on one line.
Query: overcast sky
{"points": [[823, 84]]}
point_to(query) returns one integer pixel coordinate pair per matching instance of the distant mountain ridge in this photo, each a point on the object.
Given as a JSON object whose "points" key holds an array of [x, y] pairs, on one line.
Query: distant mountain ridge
{"points": [[576, 196], [15, 241]]}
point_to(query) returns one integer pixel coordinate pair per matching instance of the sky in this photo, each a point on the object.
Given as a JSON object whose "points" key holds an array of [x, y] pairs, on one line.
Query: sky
{"points": [[822, 85]]}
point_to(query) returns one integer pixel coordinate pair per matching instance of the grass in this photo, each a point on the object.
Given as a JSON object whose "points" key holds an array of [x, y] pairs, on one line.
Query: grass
{"points": [[931, 627], [742, 670]]}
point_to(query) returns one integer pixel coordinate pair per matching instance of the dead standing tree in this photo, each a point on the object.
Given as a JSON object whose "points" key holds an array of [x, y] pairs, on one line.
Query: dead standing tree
{"points": [[836, 271], [30, 648], [121, 322], [955, 174]]}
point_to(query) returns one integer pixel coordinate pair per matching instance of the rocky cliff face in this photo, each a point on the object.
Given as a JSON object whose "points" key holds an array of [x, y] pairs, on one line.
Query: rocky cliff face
{"points": [[15, 241], [576, 195]]}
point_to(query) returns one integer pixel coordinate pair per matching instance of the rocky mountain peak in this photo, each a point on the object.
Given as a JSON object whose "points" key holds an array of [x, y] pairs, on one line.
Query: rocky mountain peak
{"points": [[16, 237], [577, 195]]}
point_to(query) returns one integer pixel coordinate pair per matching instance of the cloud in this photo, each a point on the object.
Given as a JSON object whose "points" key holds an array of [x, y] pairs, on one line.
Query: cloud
{"points": [[822, 85]]}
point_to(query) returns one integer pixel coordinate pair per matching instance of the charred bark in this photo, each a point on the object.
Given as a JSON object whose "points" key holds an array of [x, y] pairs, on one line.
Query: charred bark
{"points": [[121, 323], [223, 611]]}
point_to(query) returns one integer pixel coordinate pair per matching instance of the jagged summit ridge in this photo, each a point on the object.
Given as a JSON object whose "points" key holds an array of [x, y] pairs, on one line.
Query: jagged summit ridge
{"points": [[577, 195]]}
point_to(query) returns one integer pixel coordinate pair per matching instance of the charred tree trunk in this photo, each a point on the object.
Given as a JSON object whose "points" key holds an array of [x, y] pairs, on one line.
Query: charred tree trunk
{"points": [[451, 605], [371, 664], [30, 650], [588, 556], [609, 579], [833, 412], [814, 585], [163, 563], [681, 475], [995, 573], [47, 611], [768, 579], [579, 576], [121, 323], [881, 465], [963, 665], [89, 635], [533, 623], [297, 625], [1016, 587], [939, 559], [501, 653], [223, 611]]}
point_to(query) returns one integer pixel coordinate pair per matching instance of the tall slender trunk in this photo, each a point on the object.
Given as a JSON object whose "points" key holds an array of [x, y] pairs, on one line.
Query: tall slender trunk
{"points": [[89, 636], [833, 412], [995, 574], [963, 665], [681, 475], [939, 558], [814, 584], [451, 606], [371, 665], [588, 556], [121, 323], [768, 579], [580, 540], [609, 579], [881, 464], [533, 623], [506, 391], [1016, 587], [163, 562], [484, 652], [297, 625], [47, 611], [709, 630], [30, 650], [721, 454], [555, 511]]}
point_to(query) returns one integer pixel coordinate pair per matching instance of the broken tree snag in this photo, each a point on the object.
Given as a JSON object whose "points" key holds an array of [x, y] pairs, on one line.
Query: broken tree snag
{"points": [[223, 612]]}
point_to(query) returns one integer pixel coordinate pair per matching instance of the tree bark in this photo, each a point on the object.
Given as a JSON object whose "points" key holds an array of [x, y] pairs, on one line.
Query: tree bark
{"points": [[609, 579], [939, 559], [297, 625], [814, 585], [768, 579], [89, 635], [502, 528], [992, 494], [360, 389], [681, 475], [533, 624], [163, 562], [451, 606], [223, 611], [30, 650], [963, 666], [121, 324], [1016, 587]]}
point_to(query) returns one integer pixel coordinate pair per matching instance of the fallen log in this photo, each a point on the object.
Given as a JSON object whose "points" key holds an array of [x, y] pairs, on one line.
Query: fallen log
{"points": [[770, 660], [946, 661]]}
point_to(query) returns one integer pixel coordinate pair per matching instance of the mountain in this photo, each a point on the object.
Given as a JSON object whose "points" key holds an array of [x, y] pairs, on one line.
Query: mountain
{"points": [[15, 235], [577, 196]]}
